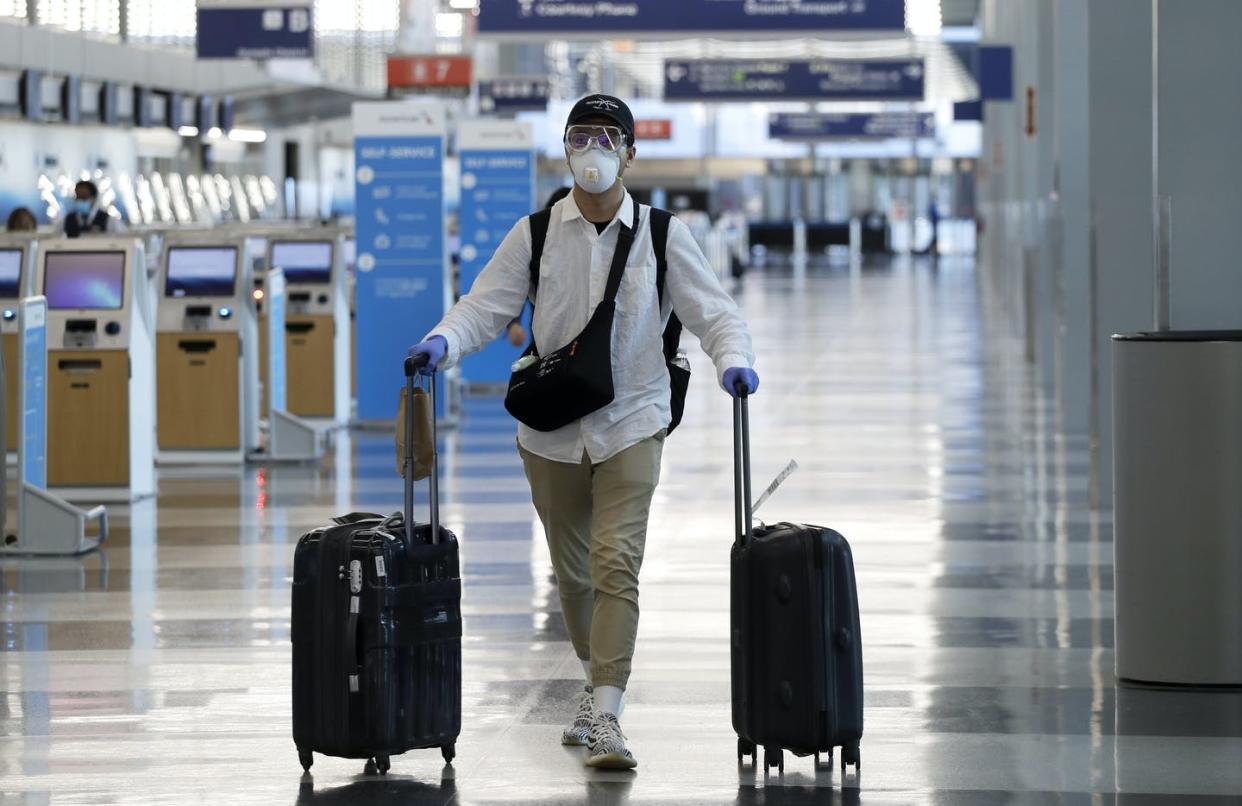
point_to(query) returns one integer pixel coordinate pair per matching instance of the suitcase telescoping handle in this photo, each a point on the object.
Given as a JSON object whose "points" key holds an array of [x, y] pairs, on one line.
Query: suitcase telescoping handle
{"points": [[742, 509], [412, 366]]}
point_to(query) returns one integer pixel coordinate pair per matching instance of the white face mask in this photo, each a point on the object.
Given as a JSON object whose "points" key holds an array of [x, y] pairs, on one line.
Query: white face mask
{"points": [[595, 171]]}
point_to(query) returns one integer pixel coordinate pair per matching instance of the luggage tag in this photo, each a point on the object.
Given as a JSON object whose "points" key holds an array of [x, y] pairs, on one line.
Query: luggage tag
{"points": [[776, 482]]}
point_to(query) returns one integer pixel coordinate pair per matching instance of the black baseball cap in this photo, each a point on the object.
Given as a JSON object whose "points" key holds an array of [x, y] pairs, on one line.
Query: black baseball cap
{"points": [[607, 106]]}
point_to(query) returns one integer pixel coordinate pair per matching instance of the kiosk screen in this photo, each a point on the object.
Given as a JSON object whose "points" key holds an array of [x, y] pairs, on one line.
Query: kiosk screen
{"points": [[10, 273], [84, 280], [303, 261], [201, 271]]}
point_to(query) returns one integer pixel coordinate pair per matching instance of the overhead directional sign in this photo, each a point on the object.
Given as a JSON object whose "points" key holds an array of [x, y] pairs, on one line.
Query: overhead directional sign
{"points": [[995, 72], [780, 80], [516, 94], [554, 18], [253, 29], [877, 126]]}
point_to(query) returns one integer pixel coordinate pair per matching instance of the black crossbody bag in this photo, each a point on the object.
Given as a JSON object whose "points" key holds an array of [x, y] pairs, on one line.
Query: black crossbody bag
{"points": [[660, 220], [576, 380]]}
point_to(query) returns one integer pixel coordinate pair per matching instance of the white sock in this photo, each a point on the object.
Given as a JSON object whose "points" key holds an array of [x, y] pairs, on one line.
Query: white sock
{"points": [[586, 670], [609, 700]]}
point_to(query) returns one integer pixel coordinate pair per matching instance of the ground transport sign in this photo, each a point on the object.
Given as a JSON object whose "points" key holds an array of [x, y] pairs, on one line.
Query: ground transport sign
{"points": [[558, 18], [251, 29]]}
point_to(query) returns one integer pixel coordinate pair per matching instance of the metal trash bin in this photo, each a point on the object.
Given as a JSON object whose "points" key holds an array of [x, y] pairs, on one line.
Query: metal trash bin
{"points": [[1177, 420]]}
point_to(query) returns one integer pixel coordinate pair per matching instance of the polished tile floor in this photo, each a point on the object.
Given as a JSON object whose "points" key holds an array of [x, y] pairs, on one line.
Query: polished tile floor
{"points": [[158, 670]]}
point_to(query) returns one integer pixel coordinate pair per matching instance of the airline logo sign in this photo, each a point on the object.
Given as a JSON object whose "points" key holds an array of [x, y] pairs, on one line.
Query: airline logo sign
{"points": [[430, 72]]}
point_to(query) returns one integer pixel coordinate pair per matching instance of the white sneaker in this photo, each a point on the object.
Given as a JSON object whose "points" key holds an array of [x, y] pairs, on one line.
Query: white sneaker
{"points": [[579, 731], [606, 745]]}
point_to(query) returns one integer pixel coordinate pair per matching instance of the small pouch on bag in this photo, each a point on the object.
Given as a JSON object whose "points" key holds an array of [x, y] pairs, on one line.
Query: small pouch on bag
{"points": [[424, 449]]}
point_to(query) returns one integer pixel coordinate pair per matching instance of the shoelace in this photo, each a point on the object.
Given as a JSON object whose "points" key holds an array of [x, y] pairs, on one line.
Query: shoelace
{"points": [[608, 734], [586, 707]]}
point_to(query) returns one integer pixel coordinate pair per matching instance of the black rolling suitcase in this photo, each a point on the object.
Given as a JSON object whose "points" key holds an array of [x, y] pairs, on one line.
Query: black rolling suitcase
{"points": [[796, 648], [376, 631]]}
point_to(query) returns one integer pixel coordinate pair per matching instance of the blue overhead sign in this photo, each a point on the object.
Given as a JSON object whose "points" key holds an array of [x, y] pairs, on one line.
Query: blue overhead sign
{"points": [[655, 17], [876, 126], [401, 288], [517, 94], [994, 67], [251, 29], [968, 110], [780, 80]]}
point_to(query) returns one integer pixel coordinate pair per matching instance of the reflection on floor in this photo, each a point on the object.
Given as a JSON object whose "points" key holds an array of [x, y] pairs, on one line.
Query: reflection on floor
{"points": [[158, 671]]}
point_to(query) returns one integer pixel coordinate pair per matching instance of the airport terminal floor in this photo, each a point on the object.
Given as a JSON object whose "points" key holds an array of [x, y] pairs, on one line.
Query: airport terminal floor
{"points": [[157, 671]]}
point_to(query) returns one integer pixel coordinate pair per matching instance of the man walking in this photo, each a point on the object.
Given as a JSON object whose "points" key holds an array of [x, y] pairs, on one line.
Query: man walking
{"points": [[592, 480]]}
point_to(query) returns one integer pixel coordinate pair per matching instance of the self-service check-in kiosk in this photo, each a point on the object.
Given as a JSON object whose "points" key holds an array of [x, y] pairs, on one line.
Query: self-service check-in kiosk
{"points": [[317, 352], [207, 370], [17, 270], [101, 384], [45, 524]]}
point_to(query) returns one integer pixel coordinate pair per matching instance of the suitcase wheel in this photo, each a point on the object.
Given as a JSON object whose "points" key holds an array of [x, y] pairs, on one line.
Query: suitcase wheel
{"points": [[307, 758], [821, 766], [449, 751], [381, 764], [744, 749], [773, 757], [851, 755]]}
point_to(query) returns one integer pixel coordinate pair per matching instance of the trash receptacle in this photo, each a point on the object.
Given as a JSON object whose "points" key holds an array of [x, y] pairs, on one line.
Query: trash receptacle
{"points": [[1177, 428]]}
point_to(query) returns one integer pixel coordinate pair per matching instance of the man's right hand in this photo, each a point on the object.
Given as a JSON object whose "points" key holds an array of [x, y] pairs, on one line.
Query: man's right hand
{"points": [[434, 348]]}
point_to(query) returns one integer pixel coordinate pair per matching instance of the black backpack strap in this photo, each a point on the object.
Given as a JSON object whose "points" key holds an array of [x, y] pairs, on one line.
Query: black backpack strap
{"points": [[660, 220], [538, 234]]}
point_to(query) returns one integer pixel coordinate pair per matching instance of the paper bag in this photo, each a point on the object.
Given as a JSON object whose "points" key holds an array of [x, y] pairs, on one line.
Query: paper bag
{"points": [[424, 449]]}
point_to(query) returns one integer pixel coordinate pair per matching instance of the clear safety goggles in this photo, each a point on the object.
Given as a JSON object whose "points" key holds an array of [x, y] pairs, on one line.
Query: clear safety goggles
{"points": [[580, 138]]}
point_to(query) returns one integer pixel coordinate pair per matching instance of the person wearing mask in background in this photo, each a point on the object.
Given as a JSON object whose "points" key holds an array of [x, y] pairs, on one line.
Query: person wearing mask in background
{"points": [[22, 220], [84, 215], [516, 330], [592, 480]]}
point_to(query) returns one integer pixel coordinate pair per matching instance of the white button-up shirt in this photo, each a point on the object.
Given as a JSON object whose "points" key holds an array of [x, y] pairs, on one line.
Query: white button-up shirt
{"points": [[572, 275]]}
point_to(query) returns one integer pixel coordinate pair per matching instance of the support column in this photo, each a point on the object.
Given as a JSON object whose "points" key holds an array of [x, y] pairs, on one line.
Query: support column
{"points": [[1200, 115], [1120, 75]]}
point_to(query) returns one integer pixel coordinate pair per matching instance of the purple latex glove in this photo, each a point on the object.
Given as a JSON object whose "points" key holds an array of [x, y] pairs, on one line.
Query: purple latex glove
{"points": [[434, 348], [740, 376]]}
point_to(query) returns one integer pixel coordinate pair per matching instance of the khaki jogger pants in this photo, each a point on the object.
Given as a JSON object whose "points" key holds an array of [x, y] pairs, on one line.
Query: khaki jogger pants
{"points": [[595, 518]]}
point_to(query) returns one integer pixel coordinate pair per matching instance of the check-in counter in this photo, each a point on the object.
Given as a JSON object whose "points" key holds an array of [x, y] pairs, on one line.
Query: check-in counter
{"points": [[101, 384], [17, 270], [206, 351], [317, 333]]}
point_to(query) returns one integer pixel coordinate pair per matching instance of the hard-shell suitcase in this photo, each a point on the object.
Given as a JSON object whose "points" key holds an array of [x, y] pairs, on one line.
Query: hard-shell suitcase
{"points": [[796, 647], [376, 631]]}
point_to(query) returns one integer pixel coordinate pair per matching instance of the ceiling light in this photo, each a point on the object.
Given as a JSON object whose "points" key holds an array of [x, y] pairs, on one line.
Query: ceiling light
{"points": [[464, 5], [248, 135], [923, 17], [188, 131], [449, 25]]}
